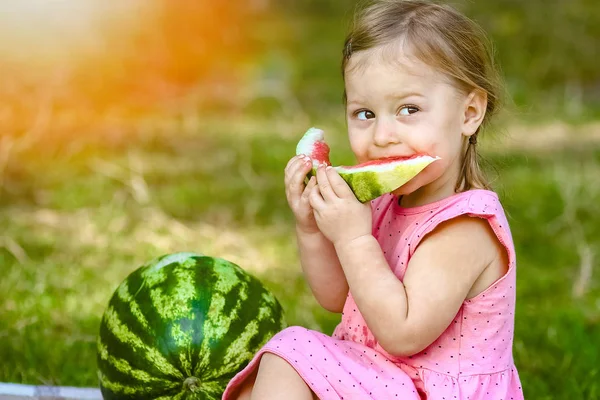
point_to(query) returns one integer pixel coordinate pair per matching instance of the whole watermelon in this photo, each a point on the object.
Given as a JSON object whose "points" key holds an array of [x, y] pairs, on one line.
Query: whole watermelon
{"points": [[181, 327]]}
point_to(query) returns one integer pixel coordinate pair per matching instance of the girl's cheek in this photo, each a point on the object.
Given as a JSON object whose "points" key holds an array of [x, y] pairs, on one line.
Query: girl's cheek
{"points": [[427, 144], [358, 147]]}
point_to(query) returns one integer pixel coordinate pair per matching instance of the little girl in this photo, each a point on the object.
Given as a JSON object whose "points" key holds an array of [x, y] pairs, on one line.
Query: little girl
{"points": [[425, 276]]}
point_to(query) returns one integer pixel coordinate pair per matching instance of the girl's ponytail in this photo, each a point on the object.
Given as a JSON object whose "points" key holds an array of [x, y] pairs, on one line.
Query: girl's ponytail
{"points": [[471, 174]]}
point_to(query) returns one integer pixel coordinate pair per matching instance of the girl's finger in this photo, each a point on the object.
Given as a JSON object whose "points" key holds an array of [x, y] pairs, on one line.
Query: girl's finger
{"points": [[312, 182], [316, 199], [324, 185], [293, 165], [289, 165], [338, 184], [295, 180]]}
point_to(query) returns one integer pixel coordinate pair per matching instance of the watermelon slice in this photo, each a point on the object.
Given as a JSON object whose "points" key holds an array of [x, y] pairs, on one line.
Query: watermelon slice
{"points": [[367, 180]]}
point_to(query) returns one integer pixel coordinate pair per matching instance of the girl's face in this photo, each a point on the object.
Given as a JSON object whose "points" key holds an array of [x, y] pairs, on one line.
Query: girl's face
{"points": [[405, 108]]}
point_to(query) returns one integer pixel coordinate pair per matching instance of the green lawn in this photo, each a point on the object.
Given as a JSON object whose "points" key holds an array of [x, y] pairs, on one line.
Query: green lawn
{"points": [[75, 225]]}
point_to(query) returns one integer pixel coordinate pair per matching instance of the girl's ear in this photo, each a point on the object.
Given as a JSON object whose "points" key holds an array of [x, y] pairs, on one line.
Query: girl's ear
{"points": [[475, 107]]}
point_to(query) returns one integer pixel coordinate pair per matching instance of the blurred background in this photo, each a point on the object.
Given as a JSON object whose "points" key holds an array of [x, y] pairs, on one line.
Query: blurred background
{"points": [[136, 128]]}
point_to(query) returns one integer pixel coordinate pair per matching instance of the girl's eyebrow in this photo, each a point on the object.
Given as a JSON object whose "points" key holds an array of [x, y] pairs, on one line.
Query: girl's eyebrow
{"points": [[354, 102], [396, 96], [400, 96]]}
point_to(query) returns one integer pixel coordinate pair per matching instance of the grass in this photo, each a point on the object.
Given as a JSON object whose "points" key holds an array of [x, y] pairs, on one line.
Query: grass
{"points": [[82, 208], [74, 227]]}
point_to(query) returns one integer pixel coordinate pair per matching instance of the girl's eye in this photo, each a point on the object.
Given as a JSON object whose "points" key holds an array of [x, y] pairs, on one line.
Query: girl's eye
{"points": [[365, 115], [408, 110]]}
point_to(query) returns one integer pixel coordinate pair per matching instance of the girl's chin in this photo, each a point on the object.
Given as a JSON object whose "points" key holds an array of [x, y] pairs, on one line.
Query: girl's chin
{"points": [[405, 190], [421, 182], [410, 188]]}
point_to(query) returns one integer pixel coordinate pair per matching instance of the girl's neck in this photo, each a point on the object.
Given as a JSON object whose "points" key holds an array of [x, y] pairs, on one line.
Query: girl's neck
{"points": [[444, 186], [426, 194]]}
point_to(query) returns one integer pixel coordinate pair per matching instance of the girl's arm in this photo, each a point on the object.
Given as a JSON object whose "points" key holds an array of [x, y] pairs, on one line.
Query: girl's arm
{"points": [[322, 270], [317, 256], [408, 316]]}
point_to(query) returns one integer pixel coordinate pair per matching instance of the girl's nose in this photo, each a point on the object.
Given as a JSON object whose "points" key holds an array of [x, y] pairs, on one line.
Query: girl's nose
{"points": [[386, 133]]}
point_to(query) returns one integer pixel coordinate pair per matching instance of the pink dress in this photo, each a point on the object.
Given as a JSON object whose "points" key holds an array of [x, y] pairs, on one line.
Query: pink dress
{"points": [[471, 360]]}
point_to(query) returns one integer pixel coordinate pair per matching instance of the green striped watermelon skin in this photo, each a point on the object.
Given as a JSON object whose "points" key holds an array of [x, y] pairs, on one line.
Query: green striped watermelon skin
{"points": [[181, 326]]}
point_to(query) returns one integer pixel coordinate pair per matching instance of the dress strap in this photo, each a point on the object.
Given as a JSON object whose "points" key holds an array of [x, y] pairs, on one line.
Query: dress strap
{"points": [[476, 203]]}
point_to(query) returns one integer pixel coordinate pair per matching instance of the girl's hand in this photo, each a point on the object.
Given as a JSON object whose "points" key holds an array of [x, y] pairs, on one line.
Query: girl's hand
{"points": [[339, 215], [297, 193]]}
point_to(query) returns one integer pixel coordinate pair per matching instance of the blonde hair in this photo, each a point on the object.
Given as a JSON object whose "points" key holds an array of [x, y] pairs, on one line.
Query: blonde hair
{"points": [[443, 38]]}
